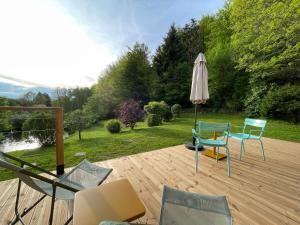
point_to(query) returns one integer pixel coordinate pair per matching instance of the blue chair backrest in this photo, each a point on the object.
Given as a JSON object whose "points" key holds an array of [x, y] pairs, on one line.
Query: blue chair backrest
{"points": [[213, 127], [255, 123], [179, 207]]}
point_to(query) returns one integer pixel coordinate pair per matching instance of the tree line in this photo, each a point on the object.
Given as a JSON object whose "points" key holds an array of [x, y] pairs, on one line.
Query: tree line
{"points": [[252, 51]]}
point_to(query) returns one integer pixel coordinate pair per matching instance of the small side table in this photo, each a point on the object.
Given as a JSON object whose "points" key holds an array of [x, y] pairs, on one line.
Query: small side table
{"points": [[115, 201]]}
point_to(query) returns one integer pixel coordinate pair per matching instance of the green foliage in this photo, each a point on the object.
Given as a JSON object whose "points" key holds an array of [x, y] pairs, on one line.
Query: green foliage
{"points": [[78, 120], [176, 110], [157, 108], [266, 42], [113, 126], [41, 126], [17, 120], [131, 77], [42, 99], [167, 117], [173, 63], [71, 99], [153, 120], [282, 102], [4, 118]]}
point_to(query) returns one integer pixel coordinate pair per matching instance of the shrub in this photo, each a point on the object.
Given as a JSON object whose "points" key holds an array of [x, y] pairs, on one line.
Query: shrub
{"points": [[282, 102], [176, 110], [113, 126], [130, 113], [41, 126], [153, 120], [167, 117], [158, 108]]}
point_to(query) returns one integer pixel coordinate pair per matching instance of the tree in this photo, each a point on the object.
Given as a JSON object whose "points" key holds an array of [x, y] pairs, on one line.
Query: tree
{"points": [[78, 120], [130, 77], [40, 125], [42, 99], [4, 118], [266, 40], [62, 98], [130, 113], [27, 99]]}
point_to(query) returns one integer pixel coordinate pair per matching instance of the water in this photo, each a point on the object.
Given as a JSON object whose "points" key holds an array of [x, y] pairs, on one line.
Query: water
{"points": [[11, 145], [31, 143]]}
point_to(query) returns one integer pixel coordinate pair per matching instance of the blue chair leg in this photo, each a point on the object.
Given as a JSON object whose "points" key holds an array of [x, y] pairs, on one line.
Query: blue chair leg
{"points": [[196, 156], [243, 143], [228, 161], [241, 149], [262, 150], [217, 158]]}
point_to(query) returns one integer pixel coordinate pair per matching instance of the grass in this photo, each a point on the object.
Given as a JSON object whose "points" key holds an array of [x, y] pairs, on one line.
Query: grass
{"points": [[101, 145]]}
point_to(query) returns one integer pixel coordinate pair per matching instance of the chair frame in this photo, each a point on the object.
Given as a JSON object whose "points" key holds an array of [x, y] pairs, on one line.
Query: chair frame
{"points": [[212, 127], [55, 184], [249, 136]]}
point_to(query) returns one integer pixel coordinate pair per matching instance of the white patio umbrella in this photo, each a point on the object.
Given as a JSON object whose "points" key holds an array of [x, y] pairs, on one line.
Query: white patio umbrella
{"points": [[199, 89]]}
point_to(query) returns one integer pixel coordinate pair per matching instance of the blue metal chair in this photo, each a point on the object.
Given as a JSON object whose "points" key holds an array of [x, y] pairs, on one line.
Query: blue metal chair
{"points": [[184, 208], [254, 134], [212, 127]]}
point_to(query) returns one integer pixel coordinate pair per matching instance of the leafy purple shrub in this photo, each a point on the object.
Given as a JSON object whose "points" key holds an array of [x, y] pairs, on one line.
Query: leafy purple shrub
{"points": [[130, 113]]}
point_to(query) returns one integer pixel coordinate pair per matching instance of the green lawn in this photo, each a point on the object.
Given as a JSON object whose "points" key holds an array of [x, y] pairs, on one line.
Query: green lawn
{"points": [[101, 145]]}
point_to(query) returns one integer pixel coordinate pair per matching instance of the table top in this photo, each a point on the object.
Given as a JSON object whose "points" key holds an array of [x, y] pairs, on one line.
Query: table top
{"points": [[116, 201]]}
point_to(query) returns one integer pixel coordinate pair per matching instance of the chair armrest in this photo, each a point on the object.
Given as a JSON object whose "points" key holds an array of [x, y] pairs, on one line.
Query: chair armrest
{"points": [[29, 164], [260, 131], [237, 126], [49, 181]]}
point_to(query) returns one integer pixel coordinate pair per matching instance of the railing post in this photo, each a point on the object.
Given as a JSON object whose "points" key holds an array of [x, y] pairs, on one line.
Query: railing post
{"points": [[59, 134]]}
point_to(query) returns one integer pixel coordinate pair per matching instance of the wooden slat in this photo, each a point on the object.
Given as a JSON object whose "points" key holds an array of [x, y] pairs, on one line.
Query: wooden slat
{"points": [[258, 192]]}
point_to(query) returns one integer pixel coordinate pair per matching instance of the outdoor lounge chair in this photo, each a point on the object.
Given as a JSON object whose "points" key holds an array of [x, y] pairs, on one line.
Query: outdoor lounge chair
{"points": [[212, 127], [82, 176], [242, 137], [184, 208]]}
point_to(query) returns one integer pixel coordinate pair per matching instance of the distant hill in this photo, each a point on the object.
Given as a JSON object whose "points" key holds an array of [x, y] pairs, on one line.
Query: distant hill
{"points": [[16, 91]]}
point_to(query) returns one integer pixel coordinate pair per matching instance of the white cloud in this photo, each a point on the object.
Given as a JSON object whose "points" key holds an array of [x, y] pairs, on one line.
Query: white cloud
{"points": [[41, 43]]}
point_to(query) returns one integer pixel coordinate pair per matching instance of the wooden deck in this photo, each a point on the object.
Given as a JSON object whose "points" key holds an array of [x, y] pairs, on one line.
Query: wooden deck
{"points": [[258, 192]]}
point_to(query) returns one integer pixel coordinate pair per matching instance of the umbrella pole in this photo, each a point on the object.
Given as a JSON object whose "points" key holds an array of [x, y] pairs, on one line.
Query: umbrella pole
{"points": [[195, 115], [195, 123]]}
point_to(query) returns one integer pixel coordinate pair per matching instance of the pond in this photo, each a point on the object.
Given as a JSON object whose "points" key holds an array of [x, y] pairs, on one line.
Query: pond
{"points": [[10, 145]]}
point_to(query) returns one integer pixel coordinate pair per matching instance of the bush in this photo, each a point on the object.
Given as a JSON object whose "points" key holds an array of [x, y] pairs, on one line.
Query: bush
{"points": [[153, 120], [158, 108], [167, 117], [130, 113], [283, 103], [113, 126], [41, 126], [176, 110]]}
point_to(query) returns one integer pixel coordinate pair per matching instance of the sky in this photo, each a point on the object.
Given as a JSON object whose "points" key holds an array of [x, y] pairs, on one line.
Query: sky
{"points": [[68, 43]]}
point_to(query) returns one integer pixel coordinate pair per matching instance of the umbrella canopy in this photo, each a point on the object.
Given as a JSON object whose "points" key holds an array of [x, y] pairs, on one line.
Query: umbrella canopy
{"points": [[199, 90]]}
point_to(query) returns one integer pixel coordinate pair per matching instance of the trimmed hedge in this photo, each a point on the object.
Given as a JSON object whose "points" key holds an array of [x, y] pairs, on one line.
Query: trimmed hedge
{"points": [[153, 120], [113, 126]]}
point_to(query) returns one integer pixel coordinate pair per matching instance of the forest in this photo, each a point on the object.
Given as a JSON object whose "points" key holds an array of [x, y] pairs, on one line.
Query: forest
{"points": [[253, 58], [253, 55]]}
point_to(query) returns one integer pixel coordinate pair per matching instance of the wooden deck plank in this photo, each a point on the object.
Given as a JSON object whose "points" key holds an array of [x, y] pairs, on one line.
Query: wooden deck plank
{"points": [[259, 192]]}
